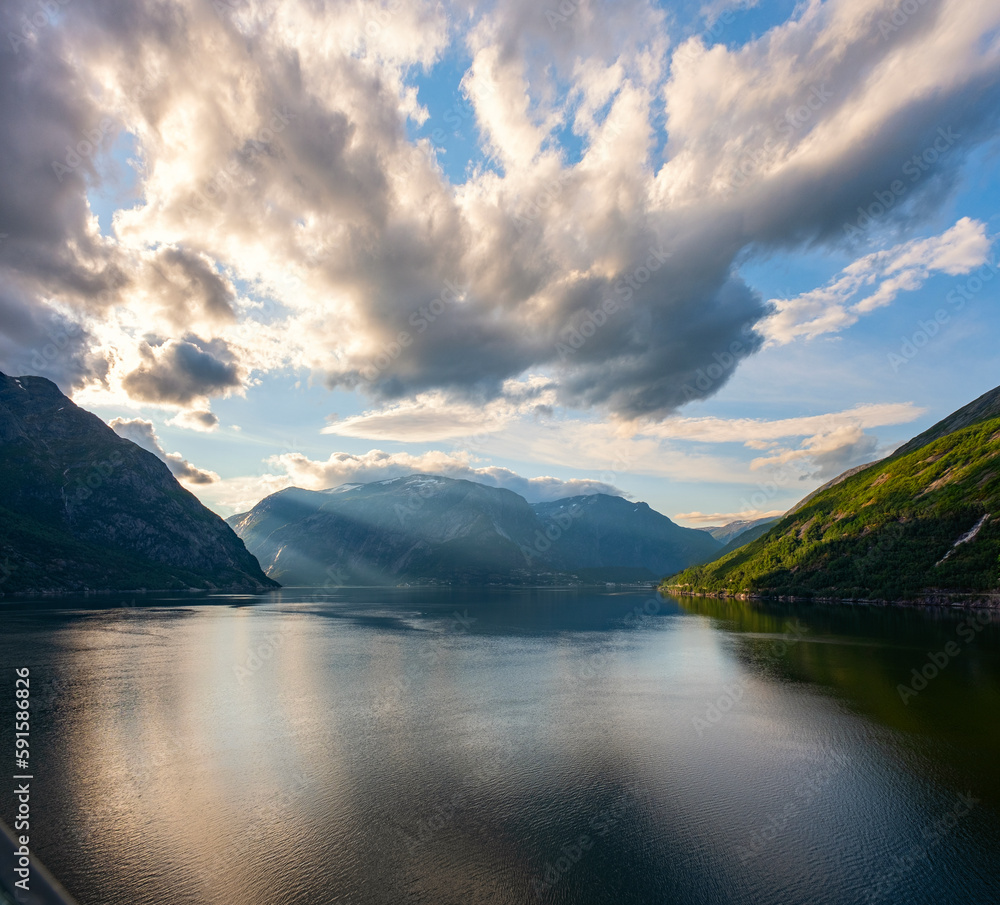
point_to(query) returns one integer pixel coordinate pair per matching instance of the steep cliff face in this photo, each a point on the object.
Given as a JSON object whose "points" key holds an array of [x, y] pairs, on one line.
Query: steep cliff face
{"points": [[428, 528], [80, 507]]}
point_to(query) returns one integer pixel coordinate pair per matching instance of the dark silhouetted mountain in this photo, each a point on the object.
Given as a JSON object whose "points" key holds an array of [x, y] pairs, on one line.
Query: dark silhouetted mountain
{"points": [[82, 508]]}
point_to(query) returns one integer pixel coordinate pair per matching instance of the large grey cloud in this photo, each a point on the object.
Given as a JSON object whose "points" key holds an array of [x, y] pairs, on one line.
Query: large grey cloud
{"points": [[182, 371], [264, 157]]}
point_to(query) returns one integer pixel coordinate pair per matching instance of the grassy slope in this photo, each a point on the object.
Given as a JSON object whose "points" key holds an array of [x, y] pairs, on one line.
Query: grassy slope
{"points": [[880, 533]]}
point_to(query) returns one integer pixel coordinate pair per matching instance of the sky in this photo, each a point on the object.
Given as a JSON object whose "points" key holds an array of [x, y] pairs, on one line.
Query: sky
{"points": [[704, 256]]}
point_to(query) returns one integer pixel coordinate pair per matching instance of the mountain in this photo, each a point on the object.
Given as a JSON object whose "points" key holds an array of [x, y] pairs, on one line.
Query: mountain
{"points": [[380, 533], [732, 530], [982, 409], [745, 537], [604, 532], [918, 525], [426, 528], [82, 508]]}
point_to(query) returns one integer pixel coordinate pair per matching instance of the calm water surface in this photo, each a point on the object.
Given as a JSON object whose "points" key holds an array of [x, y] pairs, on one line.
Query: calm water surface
{"points": [[507, 747]]}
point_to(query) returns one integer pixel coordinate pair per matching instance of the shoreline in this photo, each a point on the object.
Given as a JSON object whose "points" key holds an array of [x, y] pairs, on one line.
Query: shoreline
{"points": [[56, 593], [955, 600]]}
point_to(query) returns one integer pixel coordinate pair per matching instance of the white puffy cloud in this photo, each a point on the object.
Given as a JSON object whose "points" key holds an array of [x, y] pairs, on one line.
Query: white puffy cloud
{"points": [[297, 469], [285, 218], [878, 278]]}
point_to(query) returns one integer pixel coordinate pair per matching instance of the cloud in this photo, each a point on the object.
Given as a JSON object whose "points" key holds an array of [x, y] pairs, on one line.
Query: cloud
{"points": [[296, 469], [281, 224], [431, 417], [143, 434], [188, 289], [828, 454], [36, 338], [828, 444], [879, 277], [375, 465], [195, 420], [180, 372], [753, 431], [678, 448], [718, 519]]}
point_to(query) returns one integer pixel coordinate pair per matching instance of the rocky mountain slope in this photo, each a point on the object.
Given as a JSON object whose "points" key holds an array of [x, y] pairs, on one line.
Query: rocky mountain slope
{"points": [[82, 508], [921, 524], [424, 528]]}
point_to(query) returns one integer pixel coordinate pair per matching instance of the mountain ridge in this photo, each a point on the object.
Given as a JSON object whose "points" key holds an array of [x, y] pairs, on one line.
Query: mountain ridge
{"points": [[918, 525], [431, 528], [84, 509]]}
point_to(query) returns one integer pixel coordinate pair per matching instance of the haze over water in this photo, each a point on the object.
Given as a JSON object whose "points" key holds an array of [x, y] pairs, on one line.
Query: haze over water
{"points": [[404, 746]]}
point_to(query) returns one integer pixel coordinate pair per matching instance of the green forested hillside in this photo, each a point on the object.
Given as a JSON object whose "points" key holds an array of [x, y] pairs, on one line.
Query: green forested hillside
{"points": [[888, 532]]}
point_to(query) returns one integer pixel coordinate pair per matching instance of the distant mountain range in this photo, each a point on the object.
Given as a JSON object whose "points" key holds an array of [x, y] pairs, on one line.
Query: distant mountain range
{"points": [[729, 532], [431, 529], [753, 530], [919, 525], [83, 509]]}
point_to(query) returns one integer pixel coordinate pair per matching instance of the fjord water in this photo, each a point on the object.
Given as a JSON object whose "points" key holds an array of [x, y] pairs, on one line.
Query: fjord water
{"points": [[405, 746]]}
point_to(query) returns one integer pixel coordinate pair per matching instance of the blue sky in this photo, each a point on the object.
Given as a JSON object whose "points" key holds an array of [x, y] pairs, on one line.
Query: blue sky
{"points": [[242, 260]]}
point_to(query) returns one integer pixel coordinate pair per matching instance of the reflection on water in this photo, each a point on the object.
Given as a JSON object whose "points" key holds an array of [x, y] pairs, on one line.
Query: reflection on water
{"points": [[509, 747]]}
